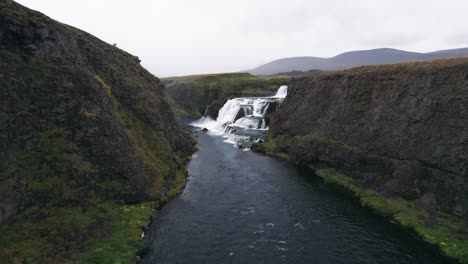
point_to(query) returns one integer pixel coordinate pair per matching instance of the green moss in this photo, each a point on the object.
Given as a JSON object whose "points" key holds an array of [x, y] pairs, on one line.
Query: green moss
{"points": [[177, 184], [106, 87], [449, 234], [152, 148], [64, 218], [64, 142], [66, 208], [66, 232], [270, 148], [51, 169], [124, 243], [178, 111]]}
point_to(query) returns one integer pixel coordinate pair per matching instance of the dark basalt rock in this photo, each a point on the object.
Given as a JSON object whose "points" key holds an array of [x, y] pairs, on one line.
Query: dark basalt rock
{"points": [[240, 114], [399, 129], [257, 147], [272, 107]]}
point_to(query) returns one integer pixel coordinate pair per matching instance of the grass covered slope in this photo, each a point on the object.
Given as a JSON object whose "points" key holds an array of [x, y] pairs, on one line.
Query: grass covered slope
{"points": [[447, 233], [86, 138], [396, 136], [193, 95]]}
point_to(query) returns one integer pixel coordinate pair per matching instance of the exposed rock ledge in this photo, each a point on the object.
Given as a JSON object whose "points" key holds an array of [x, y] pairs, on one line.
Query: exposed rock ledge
{"points": [[401, 129]]}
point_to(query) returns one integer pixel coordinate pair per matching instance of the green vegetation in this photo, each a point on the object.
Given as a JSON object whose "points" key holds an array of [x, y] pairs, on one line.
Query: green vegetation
{"points": [[65, 232], [71, 217], [152, 148], [104, 85], [408, 66], [448, 234], [178, 111], [270, 148], [87, 150], [126, 229]]}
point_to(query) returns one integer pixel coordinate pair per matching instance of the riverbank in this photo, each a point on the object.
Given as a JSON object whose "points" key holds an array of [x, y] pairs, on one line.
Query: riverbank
{"points": [[127, 243], [444, 232]]}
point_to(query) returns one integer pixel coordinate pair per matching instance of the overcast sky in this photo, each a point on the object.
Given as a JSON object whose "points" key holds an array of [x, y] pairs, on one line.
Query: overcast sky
{"points": [[180, 37]]}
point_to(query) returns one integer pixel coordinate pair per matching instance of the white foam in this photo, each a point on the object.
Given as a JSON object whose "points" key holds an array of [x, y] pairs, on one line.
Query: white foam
{"points": [[254, 109], [282, 92], [208, 123]]}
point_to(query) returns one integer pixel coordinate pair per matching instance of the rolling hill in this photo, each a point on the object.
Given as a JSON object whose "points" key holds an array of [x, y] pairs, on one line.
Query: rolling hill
{"points": [[353, 59]]}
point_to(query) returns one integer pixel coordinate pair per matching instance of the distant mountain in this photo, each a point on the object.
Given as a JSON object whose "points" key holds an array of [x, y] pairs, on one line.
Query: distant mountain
{"points": [[353, 59]]}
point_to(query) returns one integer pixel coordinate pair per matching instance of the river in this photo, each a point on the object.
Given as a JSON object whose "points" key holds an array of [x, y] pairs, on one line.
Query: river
{"points": [[243, 207]]}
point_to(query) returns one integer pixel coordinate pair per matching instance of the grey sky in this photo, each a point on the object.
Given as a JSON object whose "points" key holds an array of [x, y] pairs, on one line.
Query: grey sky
{"points": [[180, 37]]}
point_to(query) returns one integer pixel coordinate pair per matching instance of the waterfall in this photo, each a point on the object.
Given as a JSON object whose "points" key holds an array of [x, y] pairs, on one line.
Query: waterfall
{"points": [[242, 119], [282, 92]]}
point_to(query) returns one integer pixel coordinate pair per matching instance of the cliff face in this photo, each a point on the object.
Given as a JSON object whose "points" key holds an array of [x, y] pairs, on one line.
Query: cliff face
{"points": [[400, 129], [197, 95], [81, 124]]}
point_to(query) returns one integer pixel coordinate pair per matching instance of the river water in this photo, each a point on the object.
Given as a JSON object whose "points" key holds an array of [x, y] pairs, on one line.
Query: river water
{"points": [[243, 207]]}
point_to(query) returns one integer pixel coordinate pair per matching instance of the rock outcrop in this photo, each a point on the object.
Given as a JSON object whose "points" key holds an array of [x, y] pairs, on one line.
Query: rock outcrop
{"points": [[399, 129], [82, 123]]}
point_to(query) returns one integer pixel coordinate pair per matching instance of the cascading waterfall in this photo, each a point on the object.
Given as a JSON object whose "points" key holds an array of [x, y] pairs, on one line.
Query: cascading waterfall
{"points": [[242, 120], [282, 92]]}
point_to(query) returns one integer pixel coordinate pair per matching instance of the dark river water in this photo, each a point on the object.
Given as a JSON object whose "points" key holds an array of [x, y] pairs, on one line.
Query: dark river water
{"points": [[243, 207]]}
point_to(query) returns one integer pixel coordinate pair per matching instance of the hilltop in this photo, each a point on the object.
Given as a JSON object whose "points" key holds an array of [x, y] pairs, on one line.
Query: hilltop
{"points": [[353, 59]]}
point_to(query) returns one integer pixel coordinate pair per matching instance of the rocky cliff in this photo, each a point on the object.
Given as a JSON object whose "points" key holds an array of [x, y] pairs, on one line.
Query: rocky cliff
{"points": [[84, 129], [412, 113], [400, 130]]}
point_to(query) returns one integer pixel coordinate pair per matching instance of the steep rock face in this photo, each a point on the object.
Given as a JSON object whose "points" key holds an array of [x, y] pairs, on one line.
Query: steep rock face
{"points": [[80, 120], [400, 129]]}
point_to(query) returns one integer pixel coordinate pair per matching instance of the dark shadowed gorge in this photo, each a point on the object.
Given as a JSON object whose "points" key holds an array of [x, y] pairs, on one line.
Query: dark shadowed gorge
{"points": [[394, 136]]}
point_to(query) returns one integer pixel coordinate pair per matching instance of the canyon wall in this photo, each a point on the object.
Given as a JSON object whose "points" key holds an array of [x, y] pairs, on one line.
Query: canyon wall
{"points": [[84, 128], [399, 129]]}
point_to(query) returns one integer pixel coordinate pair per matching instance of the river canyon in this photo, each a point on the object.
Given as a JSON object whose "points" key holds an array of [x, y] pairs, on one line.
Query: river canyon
{"points": [[243, 207], [103, 162]]}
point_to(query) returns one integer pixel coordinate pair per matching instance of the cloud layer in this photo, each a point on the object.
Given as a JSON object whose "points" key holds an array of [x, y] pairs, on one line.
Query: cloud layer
{"points": [[180, 37]]}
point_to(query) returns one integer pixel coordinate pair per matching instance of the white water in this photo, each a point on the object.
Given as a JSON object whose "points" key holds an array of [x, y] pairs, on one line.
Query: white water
{"points": [[242, 118], [282, 92]]}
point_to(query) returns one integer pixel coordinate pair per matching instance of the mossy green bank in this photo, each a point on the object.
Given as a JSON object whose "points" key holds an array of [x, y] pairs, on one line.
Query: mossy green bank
{"points": [[446, 232]]}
